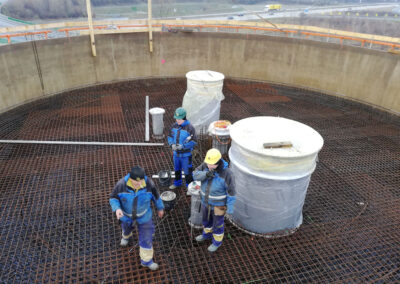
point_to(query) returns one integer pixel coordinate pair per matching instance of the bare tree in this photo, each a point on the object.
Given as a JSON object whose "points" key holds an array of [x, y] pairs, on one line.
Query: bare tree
{"points": [[44, 9]]}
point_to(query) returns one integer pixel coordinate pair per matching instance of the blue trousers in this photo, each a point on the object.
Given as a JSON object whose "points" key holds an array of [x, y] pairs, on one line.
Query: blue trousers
{"points": [[213, 225], [185, 164], [146, 232]]}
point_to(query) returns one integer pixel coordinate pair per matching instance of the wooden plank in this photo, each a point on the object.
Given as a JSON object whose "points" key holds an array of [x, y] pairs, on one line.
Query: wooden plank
{"points": [[42, 27], [149, 15], [119, 31], [203, 22], [282, 144], [90, 23]]}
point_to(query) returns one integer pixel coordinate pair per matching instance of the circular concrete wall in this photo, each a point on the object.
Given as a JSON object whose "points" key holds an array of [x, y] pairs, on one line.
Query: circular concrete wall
{"points": [[35, 69]]}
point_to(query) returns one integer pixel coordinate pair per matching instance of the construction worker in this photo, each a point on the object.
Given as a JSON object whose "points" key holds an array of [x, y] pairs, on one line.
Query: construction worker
{"points": [[182, 139], [217, 196], [130, 200]]}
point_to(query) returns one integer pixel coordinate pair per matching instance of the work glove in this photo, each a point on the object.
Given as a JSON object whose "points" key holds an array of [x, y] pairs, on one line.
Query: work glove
{"points": [[210, 174], [229, 210], [173, 146], [125, 219], [179, 147], [230, 201]]}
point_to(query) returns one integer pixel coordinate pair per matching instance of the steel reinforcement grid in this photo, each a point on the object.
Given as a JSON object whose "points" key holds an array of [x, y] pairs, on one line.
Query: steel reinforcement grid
{"points": [[56, 224]]}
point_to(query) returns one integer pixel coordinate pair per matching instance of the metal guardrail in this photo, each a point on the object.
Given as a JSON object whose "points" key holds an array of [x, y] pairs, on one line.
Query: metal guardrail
{"points": [[109, 27], [9, 36]]}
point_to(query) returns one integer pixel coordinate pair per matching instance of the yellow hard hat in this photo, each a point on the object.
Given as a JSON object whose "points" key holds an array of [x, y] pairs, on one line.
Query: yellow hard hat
{"points": [[213, 156]]}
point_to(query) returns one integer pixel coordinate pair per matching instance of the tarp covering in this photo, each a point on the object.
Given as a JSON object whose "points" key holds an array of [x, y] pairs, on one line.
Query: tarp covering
{"points": [[271, 183], [202, 100]]}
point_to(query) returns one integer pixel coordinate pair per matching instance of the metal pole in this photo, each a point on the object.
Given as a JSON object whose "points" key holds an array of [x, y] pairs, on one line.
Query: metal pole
{"points": [[79, 143], [149, 15], [90, 22], [147, 138]]}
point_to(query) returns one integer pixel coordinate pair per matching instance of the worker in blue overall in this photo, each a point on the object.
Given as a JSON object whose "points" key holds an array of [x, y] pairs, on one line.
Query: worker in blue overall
{"points": [[182, 139], [217, 196], [131, 202]]}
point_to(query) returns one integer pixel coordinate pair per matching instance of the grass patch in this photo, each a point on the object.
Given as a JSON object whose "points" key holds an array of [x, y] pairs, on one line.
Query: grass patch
{"points": [[161, 10]]}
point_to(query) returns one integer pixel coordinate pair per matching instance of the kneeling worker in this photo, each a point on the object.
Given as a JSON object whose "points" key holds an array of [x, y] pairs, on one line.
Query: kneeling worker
{"points": [[131, 202], [217, 196]]}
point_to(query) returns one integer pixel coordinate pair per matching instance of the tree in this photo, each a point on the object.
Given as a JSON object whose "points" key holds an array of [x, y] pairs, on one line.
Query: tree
{"points": [[44, 9]]}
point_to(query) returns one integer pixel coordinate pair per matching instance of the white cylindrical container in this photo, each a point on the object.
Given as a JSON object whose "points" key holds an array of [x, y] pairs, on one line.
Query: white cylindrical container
{"points": [[219, 131], [202, 100], [157, 117], [272, 181], [195, 219]]}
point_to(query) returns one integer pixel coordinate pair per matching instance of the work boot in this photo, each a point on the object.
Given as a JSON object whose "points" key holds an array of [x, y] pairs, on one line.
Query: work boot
{"points": [[200, 238], [173, 186], [212, 248], [124, 242], [152, 266]]}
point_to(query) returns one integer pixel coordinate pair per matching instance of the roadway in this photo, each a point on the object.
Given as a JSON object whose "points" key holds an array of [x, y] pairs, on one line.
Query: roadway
{"points": [[242, 16], [5, 22], [255, 15]]}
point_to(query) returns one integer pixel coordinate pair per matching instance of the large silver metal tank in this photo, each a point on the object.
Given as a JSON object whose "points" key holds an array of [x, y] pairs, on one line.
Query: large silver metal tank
{"points": [[271, 183]]}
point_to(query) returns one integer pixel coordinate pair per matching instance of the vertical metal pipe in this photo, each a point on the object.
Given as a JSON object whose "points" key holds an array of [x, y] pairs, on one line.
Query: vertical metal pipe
{"points": [[147, 138]]}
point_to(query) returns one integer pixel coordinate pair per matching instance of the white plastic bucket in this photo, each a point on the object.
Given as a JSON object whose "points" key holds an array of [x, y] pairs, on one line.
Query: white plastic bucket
{"points": [[157, 115]]}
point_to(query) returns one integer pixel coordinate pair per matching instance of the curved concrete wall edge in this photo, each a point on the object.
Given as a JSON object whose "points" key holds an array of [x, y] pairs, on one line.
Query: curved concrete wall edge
{"points": [[325, 92], [302, 87], [59, 65], [3, 110]]}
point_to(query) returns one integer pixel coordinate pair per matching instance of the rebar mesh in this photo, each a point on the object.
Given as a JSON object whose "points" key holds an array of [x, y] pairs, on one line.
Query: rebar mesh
{"points": [[57, 225]]}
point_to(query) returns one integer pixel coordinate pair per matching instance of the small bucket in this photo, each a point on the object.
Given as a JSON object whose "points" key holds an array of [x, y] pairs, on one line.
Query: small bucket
{"points": [[157, 115], [219, 131], [164, 177], [194, 188], [168, 198]]}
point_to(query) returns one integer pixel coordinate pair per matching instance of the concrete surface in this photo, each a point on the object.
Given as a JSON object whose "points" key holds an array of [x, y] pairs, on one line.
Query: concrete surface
{"points": [[364, 75]]}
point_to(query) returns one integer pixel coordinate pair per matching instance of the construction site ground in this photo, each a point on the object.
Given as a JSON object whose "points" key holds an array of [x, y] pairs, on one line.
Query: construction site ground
{"points": [[56, 224]]}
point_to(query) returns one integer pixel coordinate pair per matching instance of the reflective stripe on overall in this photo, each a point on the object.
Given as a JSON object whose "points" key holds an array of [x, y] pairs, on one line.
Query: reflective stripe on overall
{"points": [[213, 220]]}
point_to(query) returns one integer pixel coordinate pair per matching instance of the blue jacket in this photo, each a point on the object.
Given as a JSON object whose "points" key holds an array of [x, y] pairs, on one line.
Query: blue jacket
{"points": [[123, 195], [222, 189], [185, 135]]}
